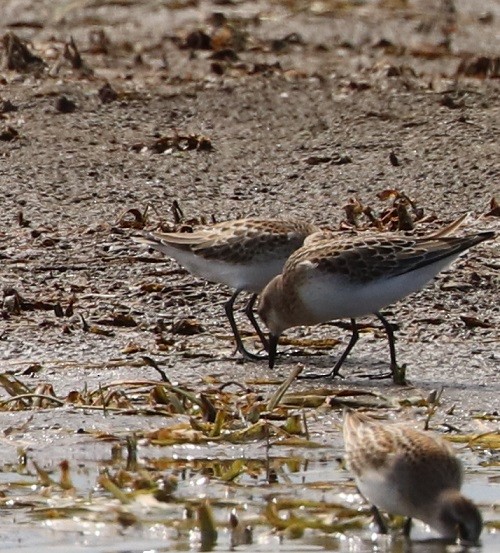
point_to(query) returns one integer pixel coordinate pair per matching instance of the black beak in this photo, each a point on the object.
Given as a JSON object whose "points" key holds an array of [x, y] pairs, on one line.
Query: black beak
{"points": [[273, 344]]}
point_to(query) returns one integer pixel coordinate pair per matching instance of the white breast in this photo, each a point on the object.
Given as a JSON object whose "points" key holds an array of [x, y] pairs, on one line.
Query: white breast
{"points": [[330, 296]]}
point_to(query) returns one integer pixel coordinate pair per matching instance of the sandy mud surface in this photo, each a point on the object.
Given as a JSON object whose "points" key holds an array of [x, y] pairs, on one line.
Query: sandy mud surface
{"points": [[122, 116]]}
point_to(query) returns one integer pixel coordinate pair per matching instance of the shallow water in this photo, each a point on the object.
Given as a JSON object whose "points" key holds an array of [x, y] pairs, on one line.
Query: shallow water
{"points": [[87, 519]]}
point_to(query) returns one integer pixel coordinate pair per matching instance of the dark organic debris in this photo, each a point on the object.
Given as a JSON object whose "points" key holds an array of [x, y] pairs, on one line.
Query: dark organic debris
{"points": [[473, 322], [335, 159], [281, 44], [64, 105], [8, 133], [224, 54], [18, 57], [451, 102], [341, 159], [72, 55], [133, 218], [316, 160], [6, 106], [15, 303], [196, 40], [99, 42], [393, 158], [359, 85], [120, 320], [187, 327], [481, 67], [107, 94], [494, 208]]}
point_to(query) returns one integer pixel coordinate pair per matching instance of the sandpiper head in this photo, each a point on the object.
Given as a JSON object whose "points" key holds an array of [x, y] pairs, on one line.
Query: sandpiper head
{"points": [[270, 308], [459, 518]]}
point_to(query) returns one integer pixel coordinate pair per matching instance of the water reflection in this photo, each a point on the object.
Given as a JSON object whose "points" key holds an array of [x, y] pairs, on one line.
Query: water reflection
{"points": [[278, 504]]}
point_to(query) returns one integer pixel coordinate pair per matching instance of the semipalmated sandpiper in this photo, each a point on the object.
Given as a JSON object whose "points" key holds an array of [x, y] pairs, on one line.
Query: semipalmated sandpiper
{"points": [[244, 254], [409, 472], [335, 278]]}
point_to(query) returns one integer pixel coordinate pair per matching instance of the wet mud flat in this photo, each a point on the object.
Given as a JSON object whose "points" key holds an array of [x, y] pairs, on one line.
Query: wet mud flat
{"points": [[120, 116]]}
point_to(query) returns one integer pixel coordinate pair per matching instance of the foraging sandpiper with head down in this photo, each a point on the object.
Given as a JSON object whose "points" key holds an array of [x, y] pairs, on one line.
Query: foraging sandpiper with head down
{"points": [[244, 254], [409, 472], [352, 277]]}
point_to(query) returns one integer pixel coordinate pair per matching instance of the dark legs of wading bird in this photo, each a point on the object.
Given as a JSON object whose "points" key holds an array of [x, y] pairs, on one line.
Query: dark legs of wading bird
{"points": [[379, 521], [352, 342], [407, 527], [382, 526], [392, 350], [251, 317], [273, 344], [229, 308], [335, 371]]}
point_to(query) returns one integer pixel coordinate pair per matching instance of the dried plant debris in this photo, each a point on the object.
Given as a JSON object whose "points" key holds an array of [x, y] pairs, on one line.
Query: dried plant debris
{"points": [[338, 159], [159, 486], [133, 218], [6, 106], [8, 134], [220, 34], [107, 94], [402, 214], [494, 210], [18, 57], [71, 58], [63, 104], [14, 303], [480, 67]]}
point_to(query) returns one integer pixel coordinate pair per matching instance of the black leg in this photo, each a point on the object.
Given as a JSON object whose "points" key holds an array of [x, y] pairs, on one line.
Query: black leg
{"points": [[390, 337], [229, 307], [379, 521], [273, 345], [397, 373], [407, 527], [251, 317], [335, 371]]}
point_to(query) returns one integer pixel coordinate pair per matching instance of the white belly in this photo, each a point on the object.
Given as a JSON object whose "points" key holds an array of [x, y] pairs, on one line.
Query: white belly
{"points": [[332, 296], [251, 277], [382, 493]]}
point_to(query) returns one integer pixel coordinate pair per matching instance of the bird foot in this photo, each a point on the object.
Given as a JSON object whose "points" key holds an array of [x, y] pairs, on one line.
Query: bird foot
{"points": [[397, 373], [249, 356]]}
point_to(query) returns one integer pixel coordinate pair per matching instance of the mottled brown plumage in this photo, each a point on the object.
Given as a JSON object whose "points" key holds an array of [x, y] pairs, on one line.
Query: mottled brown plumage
{"points": [[409, 472], [244, 254], [334, 278]]}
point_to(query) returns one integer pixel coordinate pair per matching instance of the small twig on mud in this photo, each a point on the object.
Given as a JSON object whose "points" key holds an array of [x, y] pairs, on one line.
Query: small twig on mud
{"points": [[434, 399], [32, 396], [85, 326], [152, 363], [245, 389], [276, 398], [306, 429]]}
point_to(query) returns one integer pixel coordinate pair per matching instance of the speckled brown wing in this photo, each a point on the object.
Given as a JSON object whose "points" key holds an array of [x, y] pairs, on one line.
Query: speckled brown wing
{"points": [[248, 239], [368, 445], [405, 455], [365, 259], [428, 460]]}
